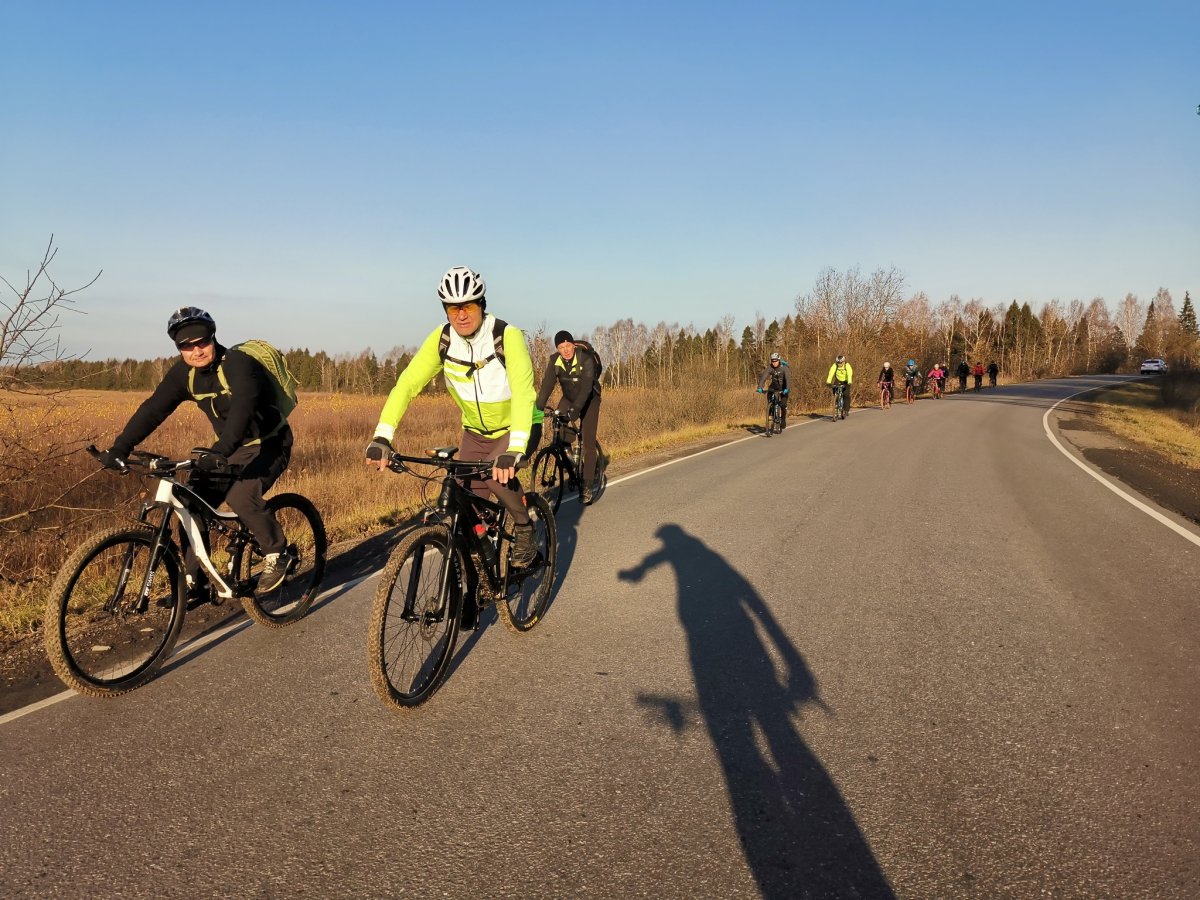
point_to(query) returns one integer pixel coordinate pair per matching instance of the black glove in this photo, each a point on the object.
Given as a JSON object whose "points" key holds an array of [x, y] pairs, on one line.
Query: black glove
{"points": [[111, 459], [207, 461], [509, 460], [379, 448]]}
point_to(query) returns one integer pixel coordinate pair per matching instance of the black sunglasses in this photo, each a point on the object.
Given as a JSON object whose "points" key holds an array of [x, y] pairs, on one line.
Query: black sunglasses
{"points": [[193, 344]]}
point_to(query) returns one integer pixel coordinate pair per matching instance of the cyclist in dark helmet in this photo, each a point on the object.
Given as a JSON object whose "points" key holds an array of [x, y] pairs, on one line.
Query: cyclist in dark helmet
{"points": [[774, 380], [254, 441]]}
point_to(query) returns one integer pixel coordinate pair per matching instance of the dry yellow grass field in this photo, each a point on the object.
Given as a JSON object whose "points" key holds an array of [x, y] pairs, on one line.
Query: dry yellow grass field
{"points": [[1134, 411]]}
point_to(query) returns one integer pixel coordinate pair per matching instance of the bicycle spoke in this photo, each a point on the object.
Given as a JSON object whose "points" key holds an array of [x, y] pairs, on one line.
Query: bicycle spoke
{"points": [[112, 617]]}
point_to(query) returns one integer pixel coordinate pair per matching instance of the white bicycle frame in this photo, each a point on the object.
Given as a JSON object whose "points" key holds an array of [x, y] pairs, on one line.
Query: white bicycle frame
{"points": [[165, 495]]}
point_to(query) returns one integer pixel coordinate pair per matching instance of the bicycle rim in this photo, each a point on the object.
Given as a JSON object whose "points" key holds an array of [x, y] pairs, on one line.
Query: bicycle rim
{"points": [[103, 635], [414, 619], [549, 477], [306, 546], [527, 593]]}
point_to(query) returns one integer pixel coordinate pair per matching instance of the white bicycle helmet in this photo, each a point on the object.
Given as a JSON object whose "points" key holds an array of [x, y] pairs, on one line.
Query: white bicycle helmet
{"points": [[461, 285]]}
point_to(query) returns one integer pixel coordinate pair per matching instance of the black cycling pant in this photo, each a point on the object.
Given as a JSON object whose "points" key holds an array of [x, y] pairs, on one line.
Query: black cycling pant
{"points": [[589, 421], [846, 396], [258, 467], [783, 402]]}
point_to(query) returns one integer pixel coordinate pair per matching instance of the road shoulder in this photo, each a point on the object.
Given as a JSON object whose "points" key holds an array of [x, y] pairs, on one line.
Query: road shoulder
{"points": [[1145, 471]]}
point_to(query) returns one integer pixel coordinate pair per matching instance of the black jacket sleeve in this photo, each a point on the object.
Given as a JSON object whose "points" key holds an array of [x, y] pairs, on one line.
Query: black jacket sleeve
{"points": [[547, 387], [171, 391], [245, 377]]}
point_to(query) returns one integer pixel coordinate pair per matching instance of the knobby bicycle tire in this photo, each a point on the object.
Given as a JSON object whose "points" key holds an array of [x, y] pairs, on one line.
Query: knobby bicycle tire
{"points": [[415, 619], [102, 639], [307, 544], [549, 477], [526, 595]]}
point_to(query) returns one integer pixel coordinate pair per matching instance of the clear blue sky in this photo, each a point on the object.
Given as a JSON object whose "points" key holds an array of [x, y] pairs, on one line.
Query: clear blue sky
{"points": [[307, 171]]}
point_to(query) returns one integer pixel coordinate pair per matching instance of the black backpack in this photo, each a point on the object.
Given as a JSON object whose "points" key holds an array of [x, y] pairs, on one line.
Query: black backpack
{"points": [[595, 356]]}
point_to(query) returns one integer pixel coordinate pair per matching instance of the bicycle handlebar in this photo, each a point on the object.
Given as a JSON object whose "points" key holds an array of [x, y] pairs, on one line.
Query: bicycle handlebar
{"points": [[149, 463], [460, 468]]}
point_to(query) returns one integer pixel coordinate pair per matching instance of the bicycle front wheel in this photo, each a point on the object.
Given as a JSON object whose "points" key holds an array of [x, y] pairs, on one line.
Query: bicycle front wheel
{"points": [[114, 614], [549, 477], [415, 618], [527, 591], [306, 547]]}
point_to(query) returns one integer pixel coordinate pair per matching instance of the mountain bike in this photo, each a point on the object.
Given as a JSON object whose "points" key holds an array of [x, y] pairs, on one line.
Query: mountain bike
{"points": [[991, 379], [774, 413], [559, 465], [885, 394], [118, 604], [910, 390], [444, 571], [839, 401]]}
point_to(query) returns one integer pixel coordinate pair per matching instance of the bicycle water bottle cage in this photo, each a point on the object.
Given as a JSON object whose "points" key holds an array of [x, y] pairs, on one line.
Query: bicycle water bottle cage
{"points": [[442, 452]]}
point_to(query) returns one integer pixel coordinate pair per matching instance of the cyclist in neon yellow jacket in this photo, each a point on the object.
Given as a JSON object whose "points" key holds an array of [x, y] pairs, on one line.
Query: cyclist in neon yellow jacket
{"points": [[841, 374], [488, 372]]}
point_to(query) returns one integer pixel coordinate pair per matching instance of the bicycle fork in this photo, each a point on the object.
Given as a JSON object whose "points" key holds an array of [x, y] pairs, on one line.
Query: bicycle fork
{"points": [[157, 549]]}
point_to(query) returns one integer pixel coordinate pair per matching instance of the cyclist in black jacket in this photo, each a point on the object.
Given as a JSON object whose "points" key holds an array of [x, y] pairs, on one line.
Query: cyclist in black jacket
{"points": [[235, 392], [576, 373], [774, 378]]}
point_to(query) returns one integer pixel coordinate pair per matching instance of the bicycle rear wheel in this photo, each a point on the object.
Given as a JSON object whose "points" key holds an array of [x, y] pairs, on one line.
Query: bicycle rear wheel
{"points": [[415, 618], [549, 477], [306, 545], [526, 591], [104, 635]]}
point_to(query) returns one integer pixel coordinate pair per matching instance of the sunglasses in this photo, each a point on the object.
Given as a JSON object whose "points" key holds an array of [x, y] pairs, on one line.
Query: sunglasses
{"points": [[196, 344], [453, 309]]}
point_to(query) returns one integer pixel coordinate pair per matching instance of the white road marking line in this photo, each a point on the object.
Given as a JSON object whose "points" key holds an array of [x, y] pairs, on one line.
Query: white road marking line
{"points": [[672, 462], [1153, 513], [181, 652]]}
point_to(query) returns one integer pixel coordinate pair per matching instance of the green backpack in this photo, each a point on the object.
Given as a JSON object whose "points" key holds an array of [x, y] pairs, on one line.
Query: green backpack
{"points": [[282, 379]]}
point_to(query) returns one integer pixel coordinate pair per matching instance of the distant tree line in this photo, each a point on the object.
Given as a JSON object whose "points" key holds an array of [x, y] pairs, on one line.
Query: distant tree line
{"points": [[868, 318]]}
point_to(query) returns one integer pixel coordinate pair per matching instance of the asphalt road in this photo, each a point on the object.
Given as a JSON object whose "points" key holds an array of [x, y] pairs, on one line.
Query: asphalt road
{"points": [[919, 653]]}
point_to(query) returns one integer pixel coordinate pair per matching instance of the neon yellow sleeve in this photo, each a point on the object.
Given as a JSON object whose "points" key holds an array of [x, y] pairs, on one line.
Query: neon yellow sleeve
{"points": [[418, 373], [520, 382]]}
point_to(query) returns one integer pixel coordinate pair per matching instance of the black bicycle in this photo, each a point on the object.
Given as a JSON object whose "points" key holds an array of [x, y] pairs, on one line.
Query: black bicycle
{"points": [[559, 465], [774, 413], [839, 401], [117, 607], [444, 571]]}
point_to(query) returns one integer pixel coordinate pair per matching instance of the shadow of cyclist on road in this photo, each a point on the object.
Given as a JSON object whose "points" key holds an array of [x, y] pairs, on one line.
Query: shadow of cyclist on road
{"points": [[797, 833]]}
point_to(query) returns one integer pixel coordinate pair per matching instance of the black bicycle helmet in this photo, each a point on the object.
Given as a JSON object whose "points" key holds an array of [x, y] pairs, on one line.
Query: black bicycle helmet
{"points": [[190, 315]]}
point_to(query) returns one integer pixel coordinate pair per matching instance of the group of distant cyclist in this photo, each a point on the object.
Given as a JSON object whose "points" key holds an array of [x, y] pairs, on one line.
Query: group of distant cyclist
{"points": [[774, 382]]}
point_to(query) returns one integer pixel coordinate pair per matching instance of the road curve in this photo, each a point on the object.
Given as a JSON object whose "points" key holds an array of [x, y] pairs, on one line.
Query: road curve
{"points": [[918, 653]]}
